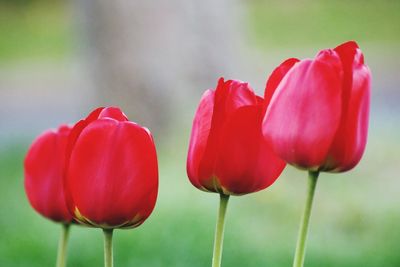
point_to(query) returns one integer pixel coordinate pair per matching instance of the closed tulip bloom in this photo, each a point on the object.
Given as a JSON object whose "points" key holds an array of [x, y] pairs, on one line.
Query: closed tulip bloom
{"points": [[112, 175], [44, 171], [44, 168], [317, 118], [318, 114], [227, 152]]}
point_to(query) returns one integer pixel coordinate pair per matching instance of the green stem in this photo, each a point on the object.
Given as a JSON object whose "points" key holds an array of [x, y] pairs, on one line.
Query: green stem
{"points": [[302, 238], [219, 231], [62, 246], [108, 251]]}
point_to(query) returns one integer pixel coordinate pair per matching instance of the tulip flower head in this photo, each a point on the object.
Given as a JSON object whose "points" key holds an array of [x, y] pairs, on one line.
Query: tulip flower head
{"points": [[317, 118], [227, 152], [44, 172], [112, 171]]}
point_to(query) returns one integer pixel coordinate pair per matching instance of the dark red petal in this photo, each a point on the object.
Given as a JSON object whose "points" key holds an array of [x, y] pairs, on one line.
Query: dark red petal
{"points": [[348, 53], [199, 138], [276, 77], [94, 115], [260, 100], [113, 175], [304, 113], [44, 169], [78, 128], [245, 162], [351, 137]]}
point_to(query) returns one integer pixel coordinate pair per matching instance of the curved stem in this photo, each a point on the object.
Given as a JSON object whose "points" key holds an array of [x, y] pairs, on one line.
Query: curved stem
{"points": [[219, 231], [62, 246], [303, 231], [108, 251]]}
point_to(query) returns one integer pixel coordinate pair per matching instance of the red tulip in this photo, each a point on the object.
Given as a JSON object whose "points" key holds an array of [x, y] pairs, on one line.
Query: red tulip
{"points": [[318, 116], [112, 172], [44, 170], [227, 152]]}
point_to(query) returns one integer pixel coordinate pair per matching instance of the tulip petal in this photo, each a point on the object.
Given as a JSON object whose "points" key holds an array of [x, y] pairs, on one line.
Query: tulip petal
{"points": [[351, 137], [114, 113], [304, 113], [199, 138], [77, 129], [113, 176], [238, 94], [44, 170], [245, 162], [101, 112], [276, 77]]}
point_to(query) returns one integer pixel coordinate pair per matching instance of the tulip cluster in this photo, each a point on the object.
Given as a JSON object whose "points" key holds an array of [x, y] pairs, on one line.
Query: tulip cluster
{"points": [[314, 116], [103, 171]]}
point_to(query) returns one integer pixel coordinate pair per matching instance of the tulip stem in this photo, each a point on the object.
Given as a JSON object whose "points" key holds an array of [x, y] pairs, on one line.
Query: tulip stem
{"points": [[303, 231], [219, 231], [62, 246], [108, 250]]}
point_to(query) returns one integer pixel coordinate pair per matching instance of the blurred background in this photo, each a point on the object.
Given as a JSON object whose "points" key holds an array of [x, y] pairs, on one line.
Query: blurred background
{"points": [[60, 59]]}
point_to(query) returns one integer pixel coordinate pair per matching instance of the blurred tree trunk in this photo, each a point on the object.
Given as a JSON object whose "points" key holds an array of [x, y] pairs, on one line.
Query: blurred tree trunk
{"points": [[148, 57]]}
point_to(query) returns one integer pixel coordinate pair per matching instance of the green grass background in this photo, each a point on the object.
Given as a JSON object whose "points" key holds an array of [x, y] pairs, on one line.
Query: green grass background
{"points": [[357, 214]]}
